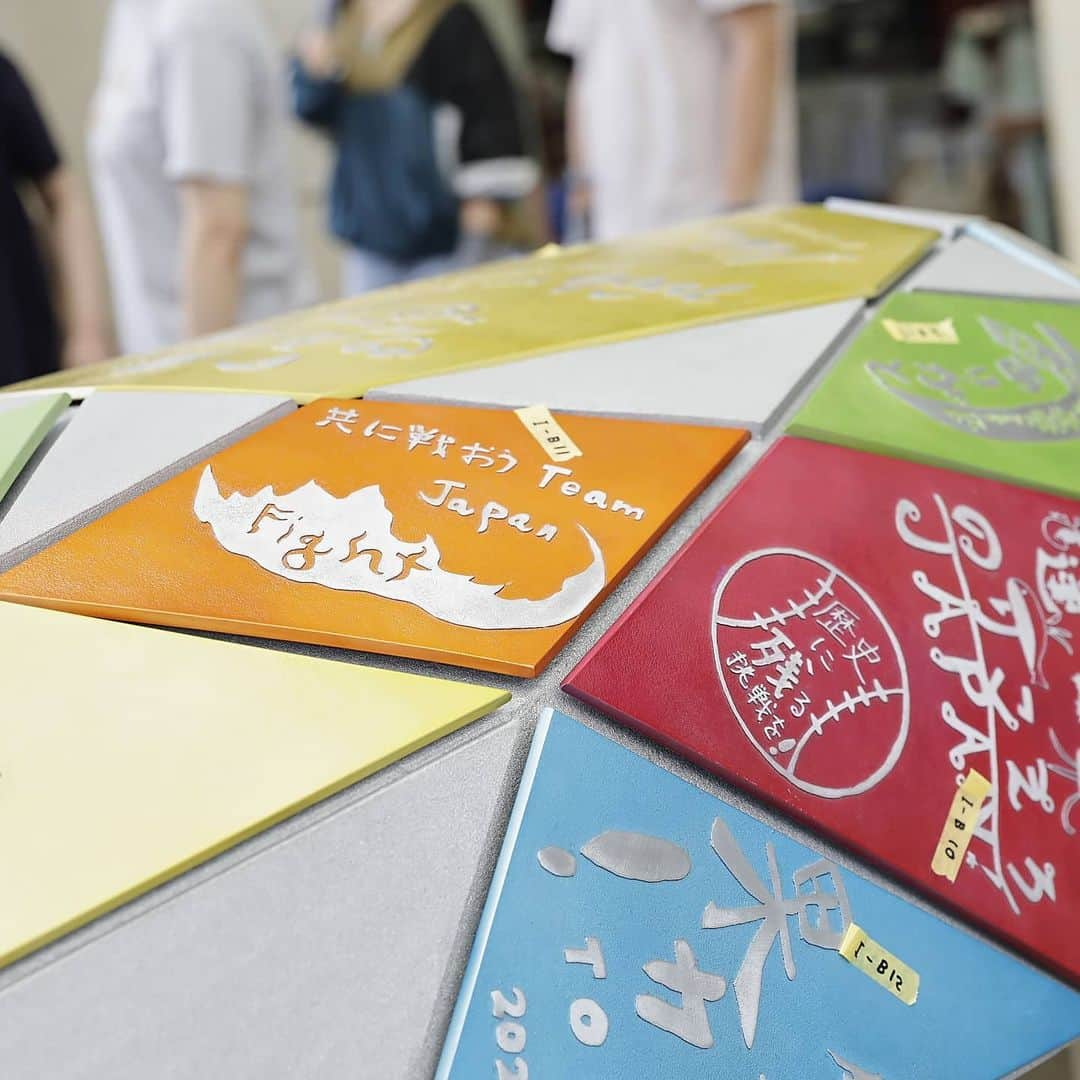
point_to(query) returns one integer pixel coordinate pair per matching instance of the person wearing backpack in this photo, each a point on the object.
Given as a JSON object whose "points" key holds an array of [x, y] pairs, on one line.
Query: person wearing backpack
{"points": [[386, 79]]}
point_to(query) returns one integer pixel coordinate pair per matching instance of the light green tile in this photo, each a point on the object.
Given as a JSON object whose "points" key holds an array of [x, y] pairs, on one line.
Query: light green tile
{"points": [[24, 422], [981, 385]]}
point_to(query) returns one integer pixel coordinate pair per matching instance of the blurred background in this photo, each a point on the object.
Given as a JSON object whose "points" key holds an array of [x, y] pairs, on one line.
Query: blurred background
{"points": [[958, 105], [953, 104]]}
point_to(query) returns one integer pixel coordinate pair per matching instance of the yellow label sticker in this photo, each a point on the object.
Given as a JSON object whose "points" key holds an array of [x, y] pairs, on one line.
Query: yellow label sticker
{"points": [[963, 817], [546, 431], [922, 333], [888, 971]]}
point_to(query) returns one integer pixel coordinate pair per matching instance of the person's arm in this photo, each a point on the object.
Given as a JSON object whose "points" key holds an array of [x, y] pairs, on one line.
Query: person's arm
{"points": [[316, 70], [316, 99], [35, 160], [213, 238], [212, 108], [460, 65], [754, 36], [317, 52], [75, 251]]}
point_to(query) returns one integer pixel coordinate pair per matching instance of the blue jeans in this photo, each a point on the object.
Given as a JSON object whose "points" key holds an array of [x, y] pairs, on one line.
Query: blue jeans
{"points": [[365, 270]]}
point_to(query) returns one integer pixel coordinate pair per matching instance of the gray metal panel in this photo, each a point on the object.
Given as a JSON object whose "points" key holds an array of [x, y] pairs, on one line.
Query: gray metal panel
{"points": [[321, 954], [1024, 249], [116, 445], [949, 225], [740, 373], [969, 265]]}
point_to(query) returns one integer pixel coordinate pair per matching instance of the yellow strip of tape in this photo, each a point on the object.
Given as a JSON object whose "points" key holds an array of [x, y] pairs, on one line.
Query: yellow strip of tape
{"points": [[960, 825], [921, 333], [875, 961], [545, 429]]}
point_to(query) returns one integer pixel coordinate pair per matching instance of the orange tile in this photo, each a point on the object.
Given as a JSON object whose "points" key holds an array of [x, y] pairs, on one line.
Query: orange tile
{"points": [[440, 533]]}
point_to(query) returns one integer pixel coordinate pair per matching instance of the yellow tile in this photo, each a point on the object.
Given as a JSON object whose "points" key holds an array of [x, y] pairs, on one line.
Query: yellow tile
{"points": [[129, 755], [726, 268]]}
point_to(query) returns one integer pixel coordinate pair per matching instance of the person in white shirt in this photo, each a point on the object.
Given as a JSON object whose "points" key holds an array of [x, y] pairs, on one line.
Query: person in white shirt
{"points": [[189, 162], [677, 109]]}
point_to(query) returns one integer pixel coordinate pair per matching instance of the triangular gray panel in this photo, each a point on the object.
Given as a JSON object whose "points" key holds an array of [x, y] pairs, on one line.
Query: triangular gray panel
{"points": [[740, 373], [321, 955], [942, 221], [115, 446], [969, 265]]}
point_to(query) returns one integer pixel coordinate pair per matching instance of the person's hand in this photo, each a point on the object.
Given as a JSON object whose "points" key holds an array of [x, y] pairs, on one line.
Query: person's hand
{"points": [[480, 217], [1011, 128], [578, 195], [85, 347], [317, 53]]}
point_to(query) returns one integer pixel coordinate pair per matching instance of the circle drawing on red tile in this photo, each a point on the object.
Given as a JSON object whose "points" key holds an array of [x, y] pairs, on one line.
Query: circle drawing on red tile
{"points": [[812, 670]]}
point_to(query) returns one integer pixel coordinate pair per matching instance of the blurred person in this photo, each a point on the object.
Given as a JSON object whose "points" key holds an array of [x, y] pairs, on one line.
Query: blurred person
{"points": [[677, 109], [189, 158], [430, 153], [33, 341], [990, 71]]}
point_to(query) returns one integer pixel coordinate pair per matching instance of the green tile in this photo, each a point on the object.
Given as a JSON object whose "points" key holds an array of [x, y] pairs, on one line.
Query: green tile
{"points": [[24, 422], [980, 385]]}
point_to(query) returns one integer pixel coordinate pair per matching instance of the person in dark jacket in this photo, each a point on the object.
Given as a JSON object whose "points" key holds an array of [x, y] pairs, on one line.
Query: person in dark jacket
{"points": [[35, 336], [428, 135]]}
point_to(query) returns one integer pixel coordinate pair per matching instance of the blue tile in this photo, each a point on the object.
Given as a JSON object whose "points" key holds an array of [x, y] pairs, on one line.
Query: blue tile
{"points": [[684, 935]]}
